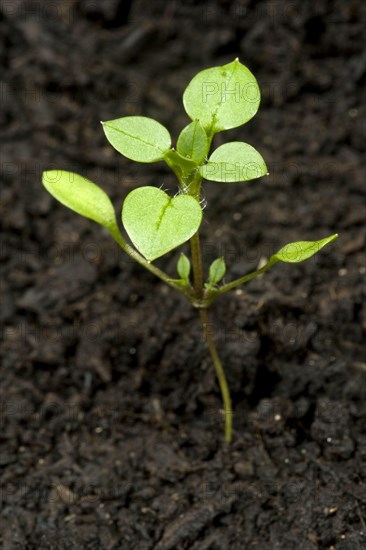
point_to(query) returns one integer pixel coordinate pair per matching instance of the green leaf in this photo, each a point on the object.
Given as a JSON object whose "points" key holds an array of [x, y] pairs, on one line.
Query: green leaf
{"points": [[217, 271], [193, 143], [291, 253], [83, 197], [222, 97], [180, 165], [157, 223], [235, 161], [301, 250], [138, 138], [184, 267]]}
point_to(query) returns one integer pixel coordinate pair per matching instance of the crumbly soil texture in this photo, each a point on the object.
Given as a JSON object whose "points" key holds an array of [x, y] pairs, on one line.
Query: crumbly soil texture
{"points": [[111, 421]]}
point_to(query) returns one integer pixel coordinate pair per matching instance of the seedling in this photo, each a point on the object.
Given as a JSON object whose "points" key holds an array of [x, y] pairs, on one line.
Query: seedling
{"points": [[216, 99]]}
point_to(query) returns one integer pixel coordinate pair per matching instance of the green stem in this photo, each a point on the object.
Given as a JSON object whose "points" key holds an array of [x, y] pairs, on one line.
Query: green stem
{"points": [[245, 279], [220, 374], [194, 189], [197, 266], [147, 265], [199, 294]]}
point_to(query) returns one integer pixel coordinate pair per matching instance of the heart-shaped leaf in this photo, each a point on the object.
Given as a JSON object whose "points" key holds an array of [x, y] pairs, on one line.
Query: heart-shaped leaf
{"points": [[222, 97], [157, 223], [235, 161], [82, 196], [138, 138]]}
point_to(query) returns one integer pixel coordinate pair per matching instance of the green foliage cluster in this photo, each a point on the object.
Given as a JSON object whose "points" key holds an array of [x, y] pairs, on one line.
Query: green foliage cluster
{"points": [[216, 99]]}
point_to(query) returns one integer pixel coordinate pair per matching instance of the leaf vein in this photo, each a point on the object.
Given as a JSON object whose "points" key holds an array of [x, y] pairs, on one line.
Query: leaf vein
{"points": [[136, 138]]}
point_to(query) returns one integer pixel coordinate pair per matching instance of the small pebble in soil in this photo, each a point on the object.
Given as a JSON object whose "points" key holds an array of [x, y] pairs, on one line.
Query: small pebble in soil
{"points": [[330, 511], [243, 469]]}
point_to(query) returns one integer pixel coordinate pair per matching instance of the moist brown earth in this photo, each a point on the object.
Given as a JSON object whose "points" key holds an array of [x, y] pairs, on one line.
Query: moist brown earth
{"points": [[111, 424]]}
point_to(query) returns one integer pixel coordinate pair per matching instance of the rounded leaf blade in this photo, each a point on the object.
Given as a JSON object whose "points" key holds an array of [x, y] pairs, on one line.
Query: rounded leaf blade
{"points": [[222, 97], [138, 138], [157, 223], [233, 162]]}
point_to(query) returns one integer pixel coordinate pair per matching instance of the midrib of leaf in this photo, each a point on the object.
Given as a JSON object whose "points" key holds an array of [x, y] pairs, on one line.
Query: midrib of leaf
{"points": [[135, 137], [159, 222], [214, 114], [164, 209], [193, 139]]}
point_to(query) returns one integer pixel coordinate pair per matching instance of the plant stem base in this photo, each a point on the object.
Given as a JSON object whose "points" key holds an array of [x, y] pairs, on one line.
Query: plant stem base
{"points": [[219, 372]]}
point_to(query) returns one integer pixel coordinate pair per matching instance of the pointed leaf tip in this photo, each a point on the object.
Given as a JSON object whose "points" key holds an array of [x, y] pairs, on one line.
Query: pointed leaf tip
{"points": [[301, 250]]}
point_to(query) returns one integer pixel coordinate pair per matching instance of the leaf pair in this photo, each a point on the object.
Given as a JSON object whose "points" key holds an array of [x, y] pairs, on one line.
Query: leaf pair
{"points": [[219, 98], [155, 222], [217, 271], [216, 99], [143, 139]]}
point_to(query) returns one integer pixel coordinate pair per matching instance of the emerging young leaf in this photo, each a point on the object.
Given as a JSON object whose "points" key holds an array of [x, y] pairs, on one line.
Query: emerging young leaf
{"points": [[184, 267], [217, 271], [192, 142], [157, 223], [235, 161], [222, 97], [301, 250], [82, 196], [180, 165], [138, 138]]}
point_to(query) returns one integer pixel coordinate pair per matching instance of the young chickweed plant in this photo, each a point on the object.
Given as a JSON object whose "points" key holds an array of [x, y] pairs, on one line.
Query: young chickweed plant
{"points": [[216, 99]]}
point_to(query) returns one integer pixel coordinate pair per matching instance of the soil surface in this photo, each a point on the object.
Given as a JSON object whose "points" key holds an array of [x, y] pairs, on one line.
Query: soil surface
{"points": [[111, 425]]}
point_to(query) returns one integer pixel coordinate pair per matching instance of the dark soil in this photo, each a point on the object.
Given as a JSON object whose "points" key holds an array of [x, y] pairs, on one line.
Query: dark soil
{"points": [[111, 431]]}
